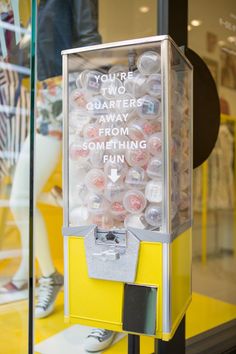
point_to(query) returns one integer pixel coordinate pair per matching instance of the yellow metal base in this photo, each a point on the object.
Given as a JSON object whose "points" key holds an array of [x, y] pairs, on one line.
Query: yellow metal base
{"points": [[99, 303]]}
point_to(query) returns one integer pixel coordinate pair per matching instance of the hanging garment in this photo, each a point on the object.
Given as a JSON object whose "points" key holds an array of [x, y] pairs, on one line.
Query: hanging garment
{"points": [[63, 25], [221, 179], [14, 118], [220, 175]]}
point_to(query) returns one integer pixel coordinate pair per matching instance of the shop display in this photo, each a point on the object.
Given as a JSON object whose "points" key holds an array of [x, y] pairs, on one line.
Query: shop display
{"points": [[118, 123]]}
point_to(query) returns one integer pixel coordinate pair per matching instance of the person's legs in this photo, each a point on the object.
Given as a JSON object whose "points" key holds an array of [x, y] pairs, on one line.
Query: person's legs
{"points": [[46, 158]]}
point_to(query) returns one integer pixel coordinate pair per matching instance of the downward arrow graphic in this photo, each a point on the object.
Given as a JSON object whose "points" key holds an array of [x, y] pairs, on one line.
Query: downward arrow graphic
{"points": [[114, 176]]}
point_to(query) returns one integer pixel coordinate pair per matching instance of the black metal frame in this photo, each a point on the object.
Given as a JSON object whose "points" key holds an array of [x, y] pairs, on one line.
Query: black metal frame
{"points": [[175, 346], [172, 18]]}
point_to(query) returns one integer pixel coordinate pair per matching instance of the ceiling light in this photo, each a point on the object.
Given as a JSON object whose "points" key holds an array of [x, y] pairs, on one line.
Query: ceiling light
{"points": [[189, 28], [196, 23], [144, 9], [221, 43], [231, 39]]}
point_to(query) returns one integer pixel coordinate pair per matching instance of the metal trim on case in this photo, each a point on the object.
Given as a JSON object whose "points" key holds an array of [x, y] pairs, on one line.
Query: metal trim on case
{"points": [[66, 278], [165, 134], [129, 42], [65, 169], [142, 235], [166, 298]]}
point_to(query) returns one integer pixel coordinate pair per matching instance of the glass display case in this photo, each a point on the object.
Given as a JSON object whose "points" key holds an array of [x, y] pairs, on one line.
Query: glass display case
{"points": [[127, 185], [127, 136]]}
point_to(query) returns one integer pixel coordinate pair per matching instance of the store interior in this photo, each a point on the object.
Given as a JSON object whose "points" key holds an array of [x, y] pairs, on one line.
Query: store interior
{"points": [[212, 34]]}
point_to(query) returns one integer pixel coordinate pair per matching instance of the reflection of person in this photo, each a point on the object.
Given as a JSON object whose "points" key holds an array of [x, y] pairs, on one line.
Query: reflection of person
{"points": [[228, 72], [61, 25]]}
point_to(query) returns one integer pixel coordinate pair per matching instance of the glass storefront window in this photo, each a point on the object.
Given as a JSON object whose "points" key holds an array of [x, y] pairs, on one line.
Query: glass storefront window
{"points": [[15, 74], [120, 19], [212, 34]]}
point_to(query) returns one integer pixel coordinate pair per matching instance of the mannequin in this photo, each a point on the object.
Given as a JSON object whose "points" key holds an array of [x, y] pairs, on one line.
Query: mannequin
{"points": [[61, 25]]}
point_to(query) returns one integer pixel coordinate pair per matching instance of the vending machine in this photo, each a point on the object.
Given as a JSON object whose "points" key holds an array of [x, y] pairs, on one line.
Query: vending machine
{"points": [[128, 185]]}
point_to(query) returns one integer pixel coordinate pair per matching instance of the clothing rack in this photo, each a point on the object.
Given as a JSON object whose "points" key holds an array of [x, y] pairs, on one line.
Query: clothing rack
{"points": [[204, 217]]}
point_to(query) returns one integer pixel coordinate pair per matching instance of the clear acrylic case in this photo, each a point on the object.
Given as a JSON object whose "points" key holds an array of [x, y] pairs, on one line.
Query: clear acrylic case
{"points": [[128, 136]]}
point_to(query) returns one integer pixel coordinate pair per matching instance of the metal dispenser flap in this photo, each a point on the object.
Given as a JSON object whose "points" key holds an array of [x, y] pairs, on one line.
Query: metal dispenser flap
{"points": [[112, 255]]}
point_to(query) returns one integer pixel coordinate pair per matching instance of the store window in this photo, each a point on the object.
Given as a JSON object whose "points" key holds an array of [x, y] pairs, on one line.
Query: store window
{"points": [[212, 34], [15, 73]]}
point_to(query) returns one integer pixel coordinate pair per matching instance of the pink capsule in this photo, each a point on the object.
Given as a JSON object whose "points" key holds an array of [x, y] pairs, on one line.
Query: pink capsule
{"points": [[77, 151], [78, 99], [154, 143], [134, 201], [142, 129], [91, 132], [137, 157], [95, 180], [118, 211]]}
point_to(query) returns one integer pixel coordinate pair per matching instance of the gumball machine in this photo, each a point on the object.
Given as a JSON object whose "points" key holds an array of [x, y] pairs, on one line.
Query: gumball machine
{"points": [[127, 186]]}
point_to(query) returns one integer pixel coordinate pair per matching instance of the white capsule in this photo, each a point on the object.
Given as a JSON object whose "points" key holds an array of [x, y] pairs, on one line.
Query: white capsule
{"points": [[149, 63]]}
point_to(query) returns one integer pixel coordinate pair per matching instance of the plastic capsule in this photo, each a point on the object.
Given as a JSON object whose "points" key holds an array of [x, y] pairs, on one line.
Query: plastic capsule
{"points": [[135, 220], [153, 85], [149, 107], [149, 63], [153, 215], [118, 211], [134, 201], [78, 100], [112, 88], [91, 132], [153, 191], [92, 82], [96, 158], [137, 157], [114, 191], [97, 203], [154, 144], [77, 150], [77, 120], [95, 180], [154, 167], [142, 129], [136, 178]]}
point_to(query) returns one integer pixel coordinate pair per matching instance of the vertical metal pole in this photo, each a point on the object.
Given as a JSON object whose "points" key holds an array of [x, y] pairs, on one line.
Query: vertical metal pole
{"points": [[173, 20], [176, 345], [204, 212], [133, 344], [33, 79]]}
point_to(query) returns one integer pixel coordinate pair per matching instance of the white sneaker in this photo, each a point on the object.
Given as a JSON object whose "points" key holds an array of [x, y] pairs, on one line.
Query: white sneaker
{"points": [[49, 287], [99, 339]]}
